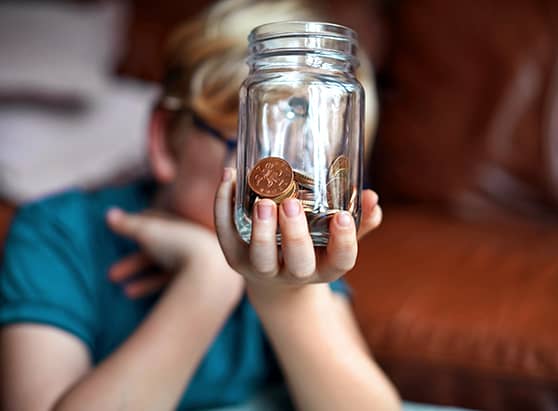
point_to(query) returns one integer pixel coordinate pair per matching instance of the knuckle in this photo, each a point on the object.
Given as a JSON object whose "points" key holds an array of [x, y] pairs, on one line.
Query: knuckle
{"points": [[301, 272], [345, 245], [298, 281], [293, 228], [343, 254], [341, 242], [295, 239], [267, 270], [347, 265], [262, 239], [264, 263], [303, 269], [344, 262]]}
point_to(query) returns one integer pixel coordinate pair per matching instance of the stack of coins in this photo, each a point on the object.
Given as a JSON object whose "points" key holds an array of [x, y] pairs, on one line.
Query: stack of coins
{"points": [[338, 182], [306, 190], [274, 178]]}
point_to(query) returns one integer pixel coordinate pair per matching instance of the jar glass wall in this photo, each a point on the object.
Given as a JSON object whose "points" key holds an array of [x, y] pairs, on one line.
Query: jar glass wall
{"points": [[301, 124]]}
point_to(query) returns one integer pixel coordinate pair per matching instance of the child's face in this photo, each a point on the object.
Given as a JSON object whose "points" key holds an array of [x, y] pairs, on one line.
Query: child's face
{"points": [[200, 159]]}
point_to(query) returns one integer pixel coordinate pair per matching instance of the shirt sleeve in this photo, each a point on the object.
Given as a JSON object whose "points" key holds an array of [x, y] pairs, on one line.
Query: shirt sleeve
{"points": [[42, 278], [341, 287]]}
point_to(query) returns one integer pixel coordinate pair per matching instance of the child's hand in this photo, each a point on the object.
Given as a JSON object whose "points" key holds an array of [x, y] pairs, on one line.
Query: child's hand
{"points": [[169, 244], [297, 262], [153, 279]]}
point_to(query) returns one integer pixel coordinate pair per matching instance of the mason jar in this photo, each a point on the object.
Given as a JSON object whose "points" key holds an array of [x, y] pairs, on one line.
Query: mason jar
{"points": [[300, 124]]}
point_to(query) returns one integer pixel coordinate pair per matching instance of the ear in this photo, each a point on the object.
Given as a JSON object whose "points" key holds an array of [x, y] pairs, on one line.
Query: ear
{"points": [[161, 160]]}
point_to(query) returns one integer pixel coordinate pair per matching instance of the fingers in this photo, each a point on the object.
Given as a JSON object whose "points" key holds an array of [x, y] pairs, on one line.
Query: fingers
{"points": [[371, 213], [147, 285], [234, 249], [151, 229], [129, 225], [342, 248], [296, 243], [263, 244], [129, 266], [167, 241], [116, 220]]}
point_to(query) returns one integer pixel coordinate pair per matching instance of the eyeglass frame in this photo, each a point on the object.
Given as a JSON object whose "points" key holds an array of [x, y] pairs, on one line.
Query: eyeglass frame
{"points": [[175, 104]]}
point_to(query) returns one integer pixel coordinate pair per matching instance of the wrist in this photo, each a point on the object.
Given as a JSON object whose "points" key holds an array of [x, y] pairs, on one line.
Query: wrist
{"points": [[213, 284], [266, 297]]}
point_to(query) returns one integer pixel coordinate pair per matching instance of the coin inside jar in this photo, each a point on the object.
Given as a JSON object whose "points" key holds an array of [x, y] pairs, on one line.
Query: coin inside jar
{"points": [[303, 179], [291, 192], [340, 163], [338, 182], [271, 177]]}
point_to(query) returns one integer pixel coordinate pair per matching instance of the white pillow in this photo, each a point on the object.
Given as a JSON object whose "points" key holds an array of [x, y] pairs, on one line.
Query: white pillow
{"points": [[58, 49], [42, 152]]}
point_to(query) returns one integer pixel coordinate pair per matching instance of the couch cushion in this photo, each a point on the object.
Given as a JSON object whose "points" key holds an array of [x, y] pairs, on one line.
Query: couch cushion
{"points": [[470, 105], [6, 212], [462, 312]]}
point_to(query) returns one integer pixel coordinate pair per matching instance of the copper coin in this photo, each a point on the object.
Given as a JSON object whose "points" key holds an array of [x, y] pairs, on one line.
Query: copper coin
{"points": [[339, 166], [306, 195], [303, 179], [271, 177], [291, 192]]}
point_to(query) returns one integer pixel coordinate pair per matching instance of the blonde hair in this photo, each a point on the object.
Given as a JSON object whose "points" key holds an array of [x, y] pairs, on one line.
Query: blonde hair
{"points": [[206, 59]]}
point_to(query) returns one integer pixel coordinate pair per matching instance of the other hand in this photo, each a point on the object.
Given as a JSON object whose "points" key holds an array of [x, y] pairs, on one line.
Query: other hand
{"points": [[169, 246]]}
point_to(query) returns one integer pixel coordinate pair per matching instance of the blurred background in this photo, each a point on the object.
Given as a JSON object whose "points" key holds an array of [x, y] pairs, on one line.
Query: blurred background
{"points": [[457, 292]]}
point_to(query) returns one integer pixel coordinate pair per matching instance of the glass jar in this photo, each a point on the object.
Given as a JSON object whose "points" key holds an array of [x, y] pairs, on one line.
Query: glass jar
{"points": [[300, 124]]}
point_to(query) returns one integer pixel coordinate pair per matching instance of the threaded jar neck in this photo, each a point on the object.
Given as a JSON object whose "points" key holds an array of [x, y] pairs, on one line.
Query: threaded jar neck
{"points": [[291, 44]]}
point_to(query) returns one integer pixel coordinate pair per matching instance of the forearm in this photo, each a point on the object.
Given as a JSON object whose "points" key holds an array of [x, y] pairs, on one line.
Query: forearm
{"points": [[153, 367], [327, 368]]}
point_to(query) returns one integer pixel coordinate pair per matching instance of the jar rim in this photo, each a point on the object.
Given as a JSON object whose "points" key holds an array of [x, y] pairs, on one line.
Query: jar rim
{"points": [[294, 28]]}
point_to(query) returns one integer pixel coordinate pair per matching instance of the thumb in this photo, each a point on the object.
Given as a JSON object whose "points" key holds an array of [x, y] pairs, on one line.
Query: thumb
{"points": [[154, 234], [155, 230], [133, 226]]}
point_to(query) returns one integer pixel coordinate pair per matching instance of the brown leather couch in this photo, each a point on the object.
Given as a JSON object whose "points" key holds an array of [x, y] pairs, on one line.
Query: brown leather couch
{"points": [[6, 212], [457, 292]]}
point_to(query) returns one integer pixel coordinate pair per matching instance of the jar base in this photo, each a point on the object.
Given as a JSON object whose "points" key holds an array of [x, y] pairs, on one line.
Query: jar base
{"points": [[320, 238]]}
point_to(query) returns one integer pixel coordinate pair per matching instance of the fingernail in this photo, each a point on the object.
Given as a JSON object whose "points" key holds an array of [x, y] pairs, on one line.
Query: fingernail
{"points": [[227, 174], [264, 210], [112, 274], [291, 207], [131, 291], [114, 214], [344, 219]]}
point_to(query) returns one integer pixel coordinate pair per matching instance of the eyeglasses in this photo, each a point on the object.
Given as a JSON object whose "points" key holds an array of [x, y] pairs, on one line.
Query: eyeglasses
{"points": [[198, 122], [172, 103]]}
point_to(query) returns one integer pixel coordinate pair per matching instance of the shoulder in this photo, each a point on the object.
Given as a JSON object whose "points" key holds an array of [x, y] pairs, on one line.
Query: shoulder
{"points": [[76, 212], [43, 278], [58, 212], [55, 258], [68, 231]]}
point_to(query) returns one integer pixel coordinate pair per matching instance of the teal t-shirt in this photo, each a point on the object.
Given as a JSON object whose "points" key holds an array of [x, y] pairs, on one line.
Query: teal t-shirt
{"points": [[55, 272]]}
